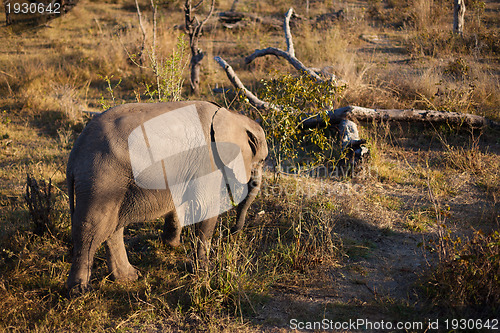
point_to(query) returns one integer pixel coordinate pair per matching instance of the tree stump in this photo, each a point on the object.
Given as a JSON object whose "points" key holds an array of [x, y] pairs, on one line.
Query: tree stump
{"points": [[39, 201], [459, 16]]}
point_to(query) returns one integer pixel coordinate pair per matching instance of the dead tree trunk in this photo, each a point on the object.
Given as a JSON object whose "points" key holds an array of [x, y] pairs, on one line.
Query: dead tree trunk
{"points": [[458, 16], [194, 28], [368, 115]]}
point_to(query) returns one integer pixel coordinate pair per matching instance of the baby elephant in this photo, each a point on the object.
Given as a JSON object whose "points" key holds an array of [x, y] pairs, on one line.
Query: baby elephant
{"points": [[186, 161]]}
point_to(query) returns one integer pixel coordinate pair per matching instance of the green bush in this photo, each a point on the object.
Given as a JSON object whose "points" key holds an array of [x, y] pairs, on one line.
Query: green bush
{"points": [[296, 99]]}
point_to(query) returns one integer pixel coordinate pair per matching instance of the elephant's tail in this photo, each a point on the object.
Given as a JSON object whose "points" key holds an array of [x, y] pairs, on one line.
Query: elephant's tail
{"points": [[70, 179]]}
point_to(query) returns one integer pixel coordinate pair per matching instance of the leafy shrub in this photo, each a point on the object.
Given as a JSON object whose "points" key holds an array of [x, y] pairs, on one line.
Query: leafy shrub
{"points": [[296, 99], [165, 85], [168, 73]]}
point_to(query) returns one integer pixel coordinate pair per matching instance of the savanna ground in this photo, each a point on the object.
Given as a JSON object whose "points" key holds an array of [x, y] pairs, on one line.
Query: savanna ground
{"points": [[413, 237]]}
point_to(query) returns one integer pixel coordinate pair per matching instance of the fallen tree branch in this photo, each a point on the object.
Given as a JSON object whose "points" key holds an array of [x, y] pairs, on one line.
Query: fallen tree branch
{"points": [[342, 118], [288, 34], [296, 63], [231, 75], [234, 19], [454, 118], [240, 20]]}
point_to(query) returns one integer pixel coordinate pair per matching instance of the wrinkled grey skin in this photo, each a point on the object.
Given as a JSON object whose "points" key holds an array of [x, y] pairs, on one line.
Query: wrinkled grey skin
{"points": [[104, 197]]}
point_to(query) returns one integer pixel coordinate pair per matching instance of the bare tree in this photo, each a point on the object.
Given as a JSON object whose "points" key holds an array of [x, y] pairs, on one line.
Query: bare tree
{"points": [[458, 16], [143, 31], [289, 54], [194, 28]]}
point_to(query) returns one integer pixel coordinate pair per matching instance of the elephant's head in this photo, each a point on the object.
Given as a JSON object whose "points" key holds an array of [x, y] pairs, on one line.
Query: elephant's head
{"points": [[251, 140]]}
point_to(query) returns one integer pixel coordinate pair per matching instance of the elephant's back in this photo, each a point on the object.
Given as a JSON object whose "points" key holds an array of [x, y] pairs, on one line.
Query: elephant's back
{"points": [[106, 136], [123, 119], [114, 125]]}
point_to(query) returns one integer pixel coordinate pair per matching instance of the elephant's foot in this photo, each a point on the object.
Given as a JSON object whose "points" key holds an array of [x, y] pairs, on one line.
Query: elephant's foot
{"points": [[79, 279], [128, 274], [172, 243], [78, 290], [118, 263]]}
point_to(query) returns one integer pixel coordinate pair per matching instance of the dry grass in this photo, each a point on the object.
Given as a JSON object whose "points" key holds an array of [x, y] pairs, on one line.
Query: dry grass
{"points": [[289, 243]]}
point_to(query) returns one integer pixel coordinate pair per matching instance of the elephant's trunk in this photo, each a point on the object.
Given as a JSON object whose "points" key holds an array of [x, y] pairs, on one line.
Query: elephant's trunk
{"points": [[253, 188]]}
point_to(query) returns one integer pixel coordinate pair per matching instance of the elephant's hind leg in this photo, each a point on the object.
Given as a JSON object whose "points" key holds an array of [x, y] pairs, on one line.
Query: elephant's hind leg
{"points": [[85, 245], [117, 259], [92, 224], [79, 275]]}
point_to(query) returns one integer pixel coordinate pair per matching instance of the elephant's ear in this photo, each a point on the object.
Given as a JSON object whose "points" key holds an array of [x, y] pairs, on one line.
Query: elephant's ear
{"points": [[236, 129], [252, 142]]}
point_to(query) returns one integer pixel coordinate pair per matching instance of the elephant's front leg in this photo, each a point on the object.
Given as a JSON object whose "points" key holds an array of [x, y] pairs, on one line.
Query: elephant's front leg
{"points": [[253, 189], [205, 230], [172, 230]]}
